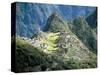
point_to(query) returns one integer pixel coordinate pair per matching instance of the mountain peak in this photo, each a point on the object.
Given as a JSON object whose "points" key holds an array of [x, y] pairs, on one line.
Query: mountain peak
{"points": [[55, 23], [54, 14]]}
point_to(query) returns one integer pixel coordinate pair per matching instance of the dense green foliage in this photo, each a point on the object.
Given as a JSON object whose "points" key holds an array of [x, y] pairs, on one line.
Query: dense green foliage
{"points": [[62, 46], [30, 58], [80, 27], [27, 56]]}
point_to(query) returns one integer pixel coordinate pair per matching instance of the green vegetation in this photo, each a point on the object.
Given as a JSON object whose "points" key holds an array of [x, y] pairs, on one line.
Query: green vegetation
{"points": [[51, 41], [75, 64], [28, 56], [58, 48], [55, 24], [84, 32]]}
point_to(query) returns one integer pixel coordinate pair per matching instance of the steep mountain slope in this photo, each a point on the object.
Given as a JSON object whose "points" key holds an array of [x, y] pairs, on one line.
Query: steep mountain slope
{"points": [[30, 58], [58, 51], [79, 26], [85, 33], [67, 38], [92, 19], [29, 15], [45, 41], [54, 49], [55, 24]]}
